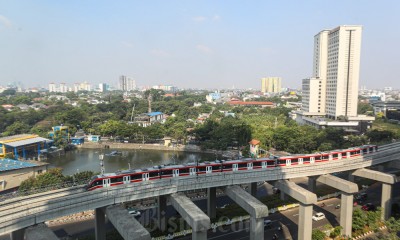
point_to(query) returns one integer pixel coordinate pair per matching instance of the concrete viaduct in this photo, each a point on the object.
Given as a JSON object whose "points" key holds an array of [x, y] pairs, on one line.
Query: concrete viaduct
{"points": [[25, 215]]}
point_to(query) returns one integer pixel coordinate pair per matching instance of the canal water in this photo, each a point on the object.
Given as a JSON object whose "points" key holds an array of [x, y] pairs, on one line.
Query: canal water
{"points": [[89, 160]]}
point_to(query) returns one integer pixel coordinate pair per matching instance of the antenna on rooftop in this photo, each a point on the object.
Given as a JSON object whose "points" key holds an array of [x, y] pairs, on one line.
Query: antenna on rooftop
{"points": [[133, 109]]}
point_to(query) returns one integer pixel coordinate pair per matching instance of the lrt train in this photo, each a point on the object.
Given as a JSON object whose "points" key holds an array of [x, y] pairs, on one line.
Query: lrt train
{"points": [[190, 169]]}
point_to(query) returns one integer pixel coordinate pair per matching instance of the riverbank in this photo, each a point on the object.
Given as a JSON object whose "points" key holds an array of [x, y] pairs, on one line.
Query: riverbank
{"points": [[157, 147]]}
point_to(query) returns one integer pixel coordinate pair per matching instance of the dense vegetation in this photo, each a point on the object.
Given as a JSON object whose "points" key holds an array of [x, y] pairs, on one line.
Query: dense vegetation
{"points": [[111, 117]]}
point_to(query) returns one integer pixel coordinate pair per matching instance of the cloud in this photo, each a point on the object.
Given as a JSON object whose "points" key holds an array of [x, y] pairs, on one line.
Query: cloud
{"points": [[204, 49], [127, 44], [159, 53], [5, 21], [216, 17], [199, 19]]}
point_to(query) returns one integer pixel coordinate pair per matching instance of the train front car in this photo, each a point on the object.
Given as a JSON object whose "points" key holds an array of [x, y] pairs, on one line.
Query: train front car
{"points": [[94, 183]]}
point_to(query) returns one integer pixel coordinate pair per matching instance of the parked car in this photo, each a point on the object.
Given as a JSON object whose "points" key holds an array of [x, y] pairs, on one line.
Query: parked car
{"points": [[134, 212], [318, 216], [361, 196], [267, 223], [369, 207]]}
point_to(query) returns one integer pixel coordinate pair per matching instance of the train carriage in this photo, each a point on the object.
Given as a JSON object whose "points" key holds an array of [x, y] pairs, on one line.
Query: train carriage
{"points": [[190, 169]]}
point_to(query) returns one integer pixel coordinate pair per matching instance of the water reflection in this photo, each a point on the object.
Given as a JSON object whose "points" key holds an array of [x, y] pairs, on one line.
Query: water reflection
{"points": [[88, 159]]}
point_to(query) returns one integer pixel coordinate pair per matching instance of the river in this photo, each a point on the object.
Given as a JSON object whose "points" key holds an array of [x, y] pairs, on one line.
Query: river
{"points": [[88, 159]]}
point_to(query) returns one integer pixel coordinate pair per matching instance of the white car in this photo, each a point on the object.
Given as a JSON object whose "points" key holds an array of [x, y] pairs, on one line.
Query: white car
{"points": [[134, 212], [318, 216]]}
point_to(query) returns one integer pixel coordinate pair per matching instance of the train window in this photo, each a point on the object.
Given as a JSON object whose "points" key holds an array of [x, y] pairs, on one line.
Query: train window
{"points": [[227, 166], [216, 167], [294, 160], [318, 157], [335, 155], [201, 169], [271, 163], [98, 182], [153, 174], [136, 176], [184, 170], [242, 165], [257, 164], [166, 172], [115, 180]]}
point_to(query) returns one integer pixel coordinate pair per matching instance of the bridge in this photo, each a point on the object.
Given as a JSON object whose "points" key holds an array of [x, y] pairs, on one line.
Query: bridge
{"points": [[24, 215]]}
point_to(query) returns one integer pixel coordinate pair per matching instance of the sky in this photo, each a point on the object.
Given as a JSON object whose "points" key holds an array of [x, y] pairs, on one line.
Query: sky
{"points": [[188, 44]]}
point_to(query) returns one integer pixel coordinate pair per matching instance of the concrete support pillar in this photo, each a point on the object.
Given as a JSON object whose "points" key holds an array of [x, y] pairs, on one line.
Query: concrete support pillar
{"points": [[306, 199], [211, 202], [256, 228], [127, 226], [253, 189], [386, 203], [283, 196], [351, 176], [161, 211], [39, 232], [100, 224], [305, 221], [257, 210], [312, 183], [381, 168], [387, 181], [348, 189], [346, 213], [193, 215], [18, 234]]}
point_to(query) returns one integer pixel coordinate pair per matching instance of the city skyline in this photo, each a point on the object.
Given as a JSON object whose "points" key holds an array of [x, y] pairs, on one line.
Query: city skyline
{"points": [[188, 45]]}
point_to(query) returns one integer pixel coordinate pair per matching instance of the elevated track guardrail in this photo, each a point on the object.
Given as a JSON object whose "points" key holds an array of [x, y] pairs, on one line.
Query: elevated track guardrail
{"points": [[26, 211]]}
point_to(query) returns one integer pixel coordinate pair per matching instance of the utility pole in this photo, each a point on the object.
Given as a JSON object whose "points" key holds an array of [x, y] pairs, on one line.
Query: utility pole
{"points": [[102, 169]]}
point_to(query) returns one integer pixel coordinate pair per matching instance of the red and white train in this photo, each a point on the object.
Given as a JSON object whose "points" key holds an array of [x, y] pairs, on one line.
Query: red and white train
{"points": [[189, 169]]}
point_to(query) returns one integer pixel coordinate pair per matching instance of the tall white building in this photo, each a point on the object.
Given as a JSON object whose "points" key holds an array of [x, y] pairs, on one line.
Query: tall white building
{"points": [[126, 83], [63, 88], [271, 85], [336, 69], [52, 87]]}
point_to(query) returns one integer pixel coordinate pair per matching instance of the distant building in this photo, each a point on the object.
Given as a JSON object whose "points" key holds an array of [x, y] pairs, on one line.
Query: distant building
{"points": [[23, 146], [78, 140], [212, 97], [330, 96], [63, 88], [52, 87], [126, 84], [147, 119], [103, 87], [59, 132], [251, 104], [271, 85]]}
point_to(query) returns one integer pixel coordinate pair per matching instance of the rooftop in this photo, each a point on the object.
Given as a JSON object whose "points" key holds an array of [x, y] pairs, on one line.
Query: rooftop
{"points": [[9, 164]]}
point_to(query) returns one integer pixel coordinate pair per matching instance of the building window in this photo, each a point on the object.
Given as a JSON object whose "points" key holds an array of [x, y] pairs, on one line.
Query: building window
{"points": [[39, 171]]}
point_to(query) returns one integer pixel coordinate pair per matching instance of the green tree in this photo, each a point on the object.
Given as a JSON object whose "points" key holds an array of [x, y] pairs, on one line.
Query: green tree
{"points": [[359, 220], [16, 128], [393, 226], [336, 232], [317, 234]]}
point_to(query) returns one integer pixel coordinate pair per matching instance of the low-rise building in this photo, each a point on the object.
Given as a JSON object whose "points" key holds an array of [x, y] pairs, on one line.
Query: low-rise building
{"points": [[13, 172], [147, 119]]}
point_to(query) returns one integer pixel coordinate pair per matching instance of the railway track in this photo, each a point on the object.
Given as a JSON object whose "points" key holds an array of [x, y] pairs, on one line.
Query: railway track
{"points": [[31, 206]]}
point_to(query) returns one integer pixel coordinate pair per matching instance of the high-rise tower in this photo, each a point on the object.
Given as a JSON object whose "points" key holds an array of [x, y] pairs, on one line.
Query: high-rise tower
{"points": [[336, 69]]}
